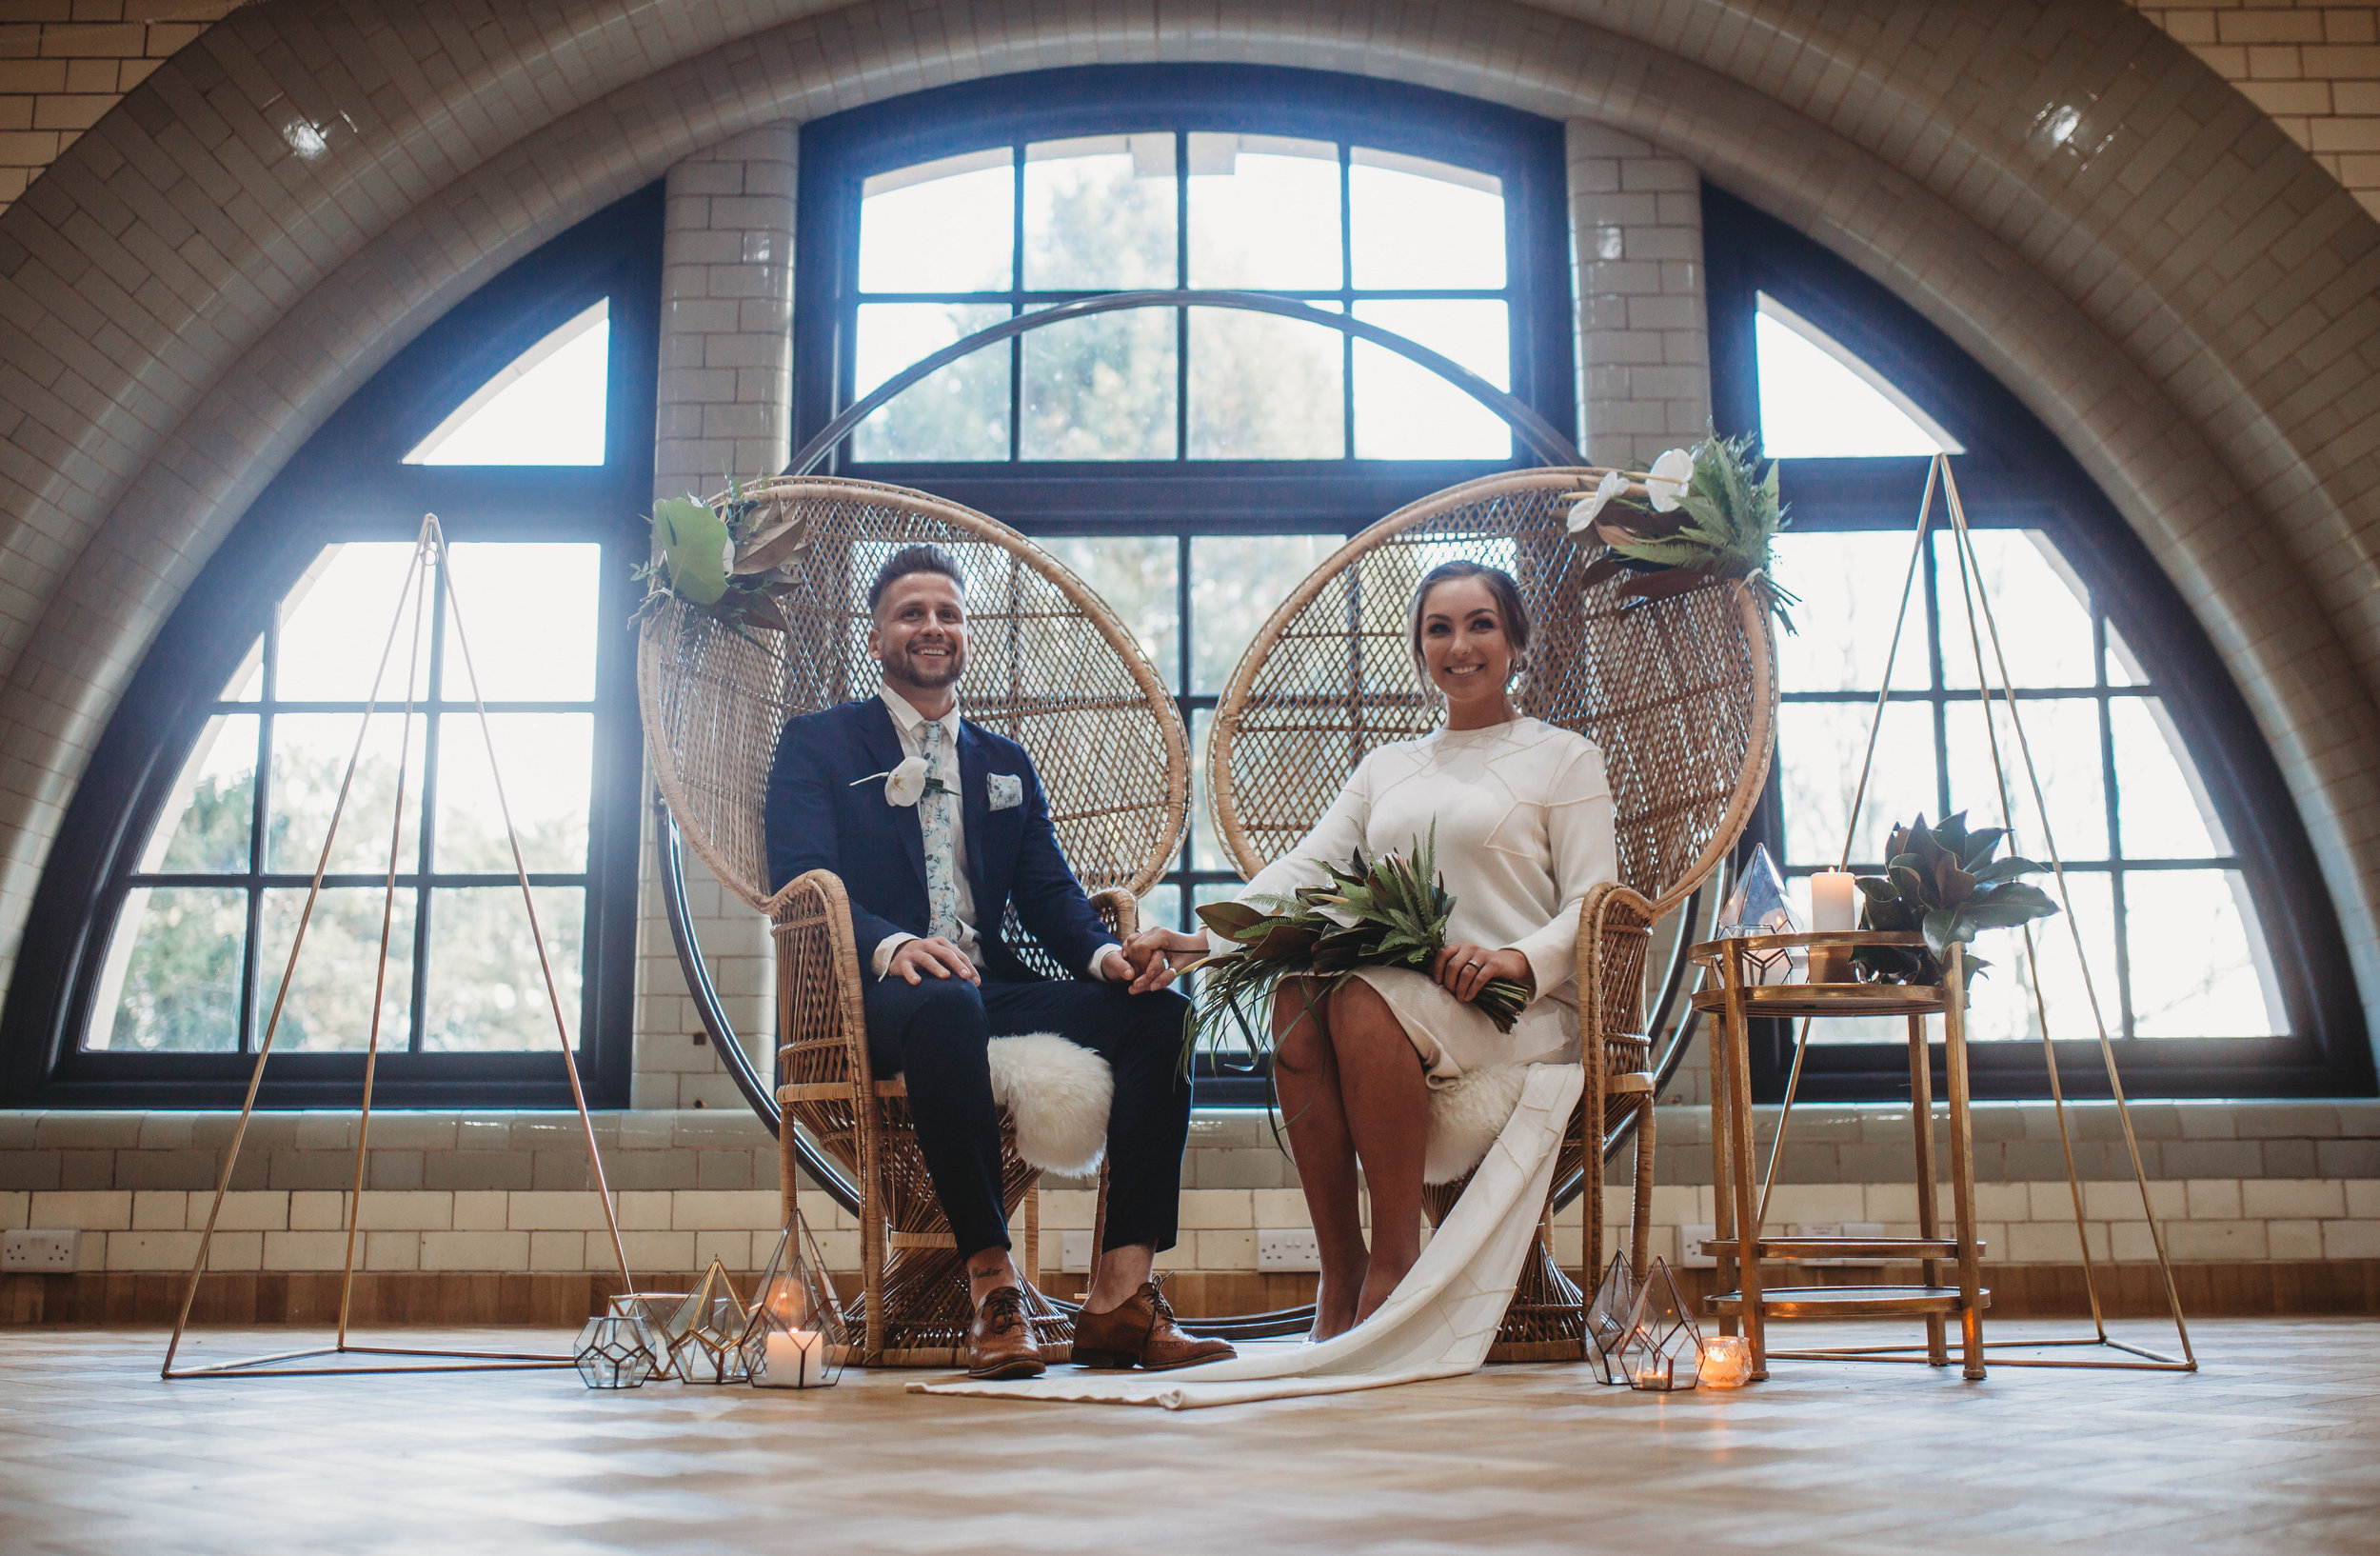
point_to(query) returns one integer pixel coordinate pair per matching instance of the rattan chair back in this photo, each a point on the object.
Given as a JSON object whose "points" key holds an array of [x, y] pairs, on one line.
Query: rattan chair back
{"points": [[1050, 667], [1678, 693]]}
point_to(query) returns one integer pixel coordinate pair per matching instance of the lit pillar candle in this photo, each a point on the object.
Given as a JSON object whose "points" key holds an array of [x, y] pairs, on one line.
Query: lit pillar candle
{"points": [[1833, 907], [796, 1358]]}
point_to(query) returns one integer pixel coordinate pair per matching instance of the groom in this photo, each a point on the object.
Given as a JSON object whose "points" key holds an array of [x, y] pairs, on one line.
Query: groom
{"points": [[931, 861]]}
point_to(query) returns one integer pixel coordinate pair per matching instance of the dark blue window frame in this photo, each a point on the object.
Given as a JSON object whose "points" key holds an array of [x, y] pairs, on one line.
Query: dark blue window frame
{"points": [[2016, 475], [350, 484], [1183, 497]]}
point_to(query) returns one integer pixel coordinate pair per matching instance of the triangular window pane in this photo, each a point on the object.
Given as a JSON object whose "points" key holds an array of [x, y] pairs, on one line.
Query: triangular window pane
{"points": [[547, 408], [1818, 401]]}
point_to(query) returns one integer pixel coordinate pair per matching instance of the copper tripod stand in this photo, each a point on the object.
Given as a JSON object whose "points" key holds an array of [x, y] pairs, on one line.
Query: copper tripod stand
{"points": [[1983, 627], [429, 564]]}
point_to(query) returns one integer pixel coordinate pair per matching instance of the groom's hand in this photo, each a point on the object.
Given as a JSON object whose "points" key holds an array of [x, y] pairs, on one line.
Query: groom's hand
{"points": [[1152, 953], [915, 959]]}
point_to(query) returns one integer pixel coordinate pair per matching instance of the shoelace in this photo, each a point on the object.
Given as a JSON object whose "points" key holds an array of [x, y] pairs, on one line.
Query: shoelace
{"points": [[1004, 1310]]}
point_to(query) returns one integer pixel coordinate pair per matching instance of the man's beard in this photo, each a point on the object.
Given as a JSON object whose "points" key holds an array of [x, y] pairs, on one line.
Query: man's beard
{"points": [[924, 674]]}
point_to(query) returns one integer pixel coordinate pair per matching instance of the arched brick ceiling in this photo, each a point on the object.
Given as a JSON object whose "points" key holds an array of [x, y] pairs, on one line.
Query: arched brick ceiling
{"points": [[2174, 287]]}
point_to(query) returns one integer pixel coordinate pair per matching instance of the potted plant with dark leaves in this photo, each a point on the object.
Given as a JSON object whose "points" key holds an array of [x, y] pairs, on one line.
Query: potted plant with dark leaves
{"points": [[1942, 881]]}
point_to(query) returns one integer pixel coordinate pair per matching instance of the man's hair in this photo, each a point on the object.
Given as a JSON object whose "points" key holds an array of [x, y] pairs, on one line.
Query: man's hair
{"points": [[911, 559]]}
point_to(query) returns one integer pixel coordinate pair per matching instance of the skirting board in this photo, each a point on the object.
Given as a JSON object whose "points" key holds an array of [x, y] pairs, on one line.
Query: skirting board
{"points": [[2280, 1288]]}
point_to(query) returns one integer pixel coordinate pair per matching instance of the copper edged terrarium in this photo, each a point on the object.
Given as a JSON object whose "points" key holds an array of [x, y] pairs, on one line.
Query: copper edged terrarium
{"points": [[707, 1330], [796, 1336], [1608, 1315], [620, 1348], [1663, 1352]]}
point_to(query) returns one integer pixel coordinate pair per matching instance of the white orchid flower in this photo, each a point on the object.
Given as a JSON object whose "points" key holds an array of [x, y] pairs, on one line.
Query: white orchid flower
{"points": [[905, 785], [1667, 484], [1582, 511]]}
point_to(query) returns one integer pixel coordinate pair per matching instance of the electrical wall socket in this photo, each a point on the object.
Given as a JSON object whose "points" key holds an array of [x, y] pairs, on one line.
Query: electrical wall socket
{"points": [[39, 1253], [1074, 1253], [1287, 1249]]}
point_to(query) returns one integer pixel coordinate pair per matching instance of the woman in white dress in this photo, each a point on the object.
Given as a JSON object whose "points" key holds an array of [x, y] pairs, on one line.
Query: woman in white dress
{"points": [[1523, 824]]}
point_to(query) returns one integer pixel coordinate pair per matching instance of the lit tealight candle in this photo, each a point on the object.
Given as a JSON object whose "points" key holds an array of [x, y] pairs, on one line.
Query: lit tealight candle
{"points": [[1726, 1361]]}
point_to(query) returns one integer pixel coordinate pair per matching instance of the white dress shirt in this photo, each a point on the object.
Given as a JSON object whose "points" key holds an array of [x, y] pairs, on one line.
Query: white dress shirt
{"points": [[910, 724]]}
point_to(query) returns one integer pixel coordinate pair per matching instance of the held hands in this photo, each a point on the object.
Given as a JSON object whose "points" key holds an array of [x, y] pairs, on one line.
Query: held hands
{"points": [[915, 959], [1463, 970], [1155, 953]]}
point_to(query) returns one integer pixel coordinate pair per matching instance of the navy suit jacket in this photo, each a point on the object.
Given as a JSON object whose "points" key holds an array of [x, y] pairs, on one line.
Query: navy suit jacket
{"points": [[819, 817]]}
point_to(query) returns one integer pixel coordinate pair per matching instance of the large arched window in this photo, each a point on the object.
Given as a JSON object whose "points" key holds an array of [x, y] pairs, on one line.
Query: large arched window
{"points": [[524, 419], [2214, 951], [1191, 465]]}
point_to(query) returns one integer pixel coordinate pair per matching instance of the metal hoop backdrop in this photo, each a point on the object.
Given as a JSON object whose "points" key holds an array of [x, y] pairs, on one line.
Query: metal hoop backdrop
{"points": [[1543, 439]]}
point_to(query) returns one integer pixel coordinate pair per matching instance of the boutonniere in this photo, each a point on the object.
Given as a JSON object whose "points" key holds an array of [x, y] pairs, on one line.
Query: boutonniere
{"points": [[906, 784]]}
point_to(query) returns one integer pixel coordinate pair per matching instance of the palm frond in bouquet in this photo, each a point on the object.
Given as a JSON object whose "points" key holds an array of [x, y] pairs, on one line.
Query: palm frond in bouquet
{"points": [[1386, 913]]}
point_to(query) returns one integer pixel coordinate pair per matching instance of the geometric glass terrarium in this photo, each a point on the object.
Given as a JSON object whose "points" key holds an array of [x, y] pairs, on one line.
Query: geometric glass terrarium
{"points": [[1608, 1317], [707, 1330], [1663, 1352], [1758, 907], [796, 1337], [620, 1348]]}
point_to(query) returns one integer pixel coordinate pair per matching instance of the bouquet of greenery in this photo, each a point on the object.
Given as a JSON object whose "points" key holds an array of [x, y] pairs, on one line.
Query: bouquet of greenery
{"points": [[727, 562], [1372, 913]]}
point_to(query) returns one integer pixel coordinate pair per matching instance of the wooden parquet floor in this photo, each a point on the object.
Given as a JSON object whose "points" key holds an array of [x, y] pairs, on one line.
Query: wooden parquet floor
{"points": [[2274, 1447]]}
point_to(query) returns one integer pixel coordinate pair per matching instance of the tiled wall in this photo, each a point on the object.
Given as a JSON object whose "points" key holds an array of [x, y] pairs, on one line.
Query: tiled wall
{"points": [[2314, 68], [724, 407], [1644, 346], [2230, 1182], [64, 63]]}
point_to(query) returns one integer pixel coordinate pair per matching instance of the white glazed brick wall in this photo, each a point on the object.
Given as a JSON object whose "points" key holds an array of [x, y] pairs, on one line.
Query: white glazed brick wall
{"points": [[2313, 67], [1644, 346], [724, 406]]}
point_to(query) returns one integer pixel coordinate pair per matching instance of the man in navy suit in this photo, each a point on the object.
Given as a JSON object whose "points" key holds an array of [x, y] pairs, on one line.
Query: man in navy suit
{"points": [[935, 826]]}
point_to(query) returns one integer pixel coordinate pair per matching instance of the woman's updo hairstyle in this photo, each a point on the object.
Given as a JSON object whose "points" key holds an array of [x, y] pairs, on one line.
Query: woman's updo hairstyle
{"points": [[1508, 607]]}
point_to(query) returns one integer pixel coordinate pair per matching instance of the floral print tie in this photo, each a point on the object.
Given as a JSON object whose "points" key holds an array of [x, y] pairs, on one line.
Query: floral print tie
{"points": [[937, 813]]}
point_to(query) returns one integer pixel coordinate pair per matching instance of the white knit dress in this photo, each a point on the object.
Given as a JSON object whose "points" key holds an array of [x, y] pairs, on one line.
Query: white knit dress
{"points": [[1523, 819]]}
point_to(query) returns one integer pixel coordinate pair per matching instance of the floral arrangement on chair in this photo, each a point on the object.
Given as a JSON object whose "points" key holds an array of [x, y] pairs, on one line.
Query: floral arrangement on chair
{"points": [[1705, 518], [725, 561]]}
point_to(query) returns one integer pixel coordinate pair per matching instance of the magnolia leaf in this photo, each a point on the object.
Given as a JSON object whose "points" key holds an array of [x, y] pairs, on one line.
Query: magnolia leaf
{"points": [[1601, 570], [1952, 885], [773, 547], [1230, 918], [1876, 889], [1668, 586], [1942, 928], [694, 541], [1980, 844], [2004, 869], [1911, 884]]}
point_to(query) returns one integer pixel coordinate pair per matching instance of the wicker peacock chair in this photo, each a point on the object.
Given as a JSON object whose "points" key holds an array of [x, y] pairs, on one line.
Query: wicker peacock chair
{"points": [[1679, 693], [1053, 669]]}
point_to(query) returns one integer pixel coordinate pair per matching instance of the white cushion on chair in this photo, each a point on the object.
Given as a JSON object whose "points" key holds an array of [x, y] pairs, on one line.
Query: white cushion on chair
{"points": [[1057, 1093], [1465, 1119]]}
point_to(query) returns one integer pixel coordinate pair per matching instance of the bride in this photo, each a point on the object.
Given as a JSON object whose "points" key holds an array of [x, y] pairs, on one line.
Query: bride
{"points": [[1523, 824]]}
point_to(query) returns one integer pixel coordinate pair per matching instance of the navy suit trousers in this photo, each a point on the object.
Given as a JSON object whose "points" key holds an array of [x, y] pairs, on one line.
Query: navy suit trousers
{"points": [[936, 1032]]}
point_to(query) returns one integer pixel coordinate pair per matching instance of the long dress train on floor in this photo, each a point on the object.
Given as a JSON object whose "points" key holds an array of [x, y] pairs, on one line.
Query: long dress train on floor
{"points": [[1438, 1323]]}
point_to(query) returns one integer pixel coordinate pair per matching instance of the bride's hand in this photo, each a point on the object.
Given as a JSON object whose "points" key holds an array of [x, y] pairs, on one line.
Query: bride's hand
{"points": [[1464, 968]]}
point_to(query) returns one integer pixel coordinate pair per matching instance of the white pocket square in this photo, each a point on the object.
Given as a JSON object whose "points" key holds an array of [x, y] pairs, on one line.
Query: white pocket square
{"points": [[1007, 789]]}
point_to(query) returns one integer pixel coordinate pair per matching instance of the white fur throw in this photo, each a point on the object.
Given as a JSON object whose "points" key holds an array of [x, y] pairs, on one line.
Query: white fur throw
{"points": [[1465, 1119], [1057, 1093]]}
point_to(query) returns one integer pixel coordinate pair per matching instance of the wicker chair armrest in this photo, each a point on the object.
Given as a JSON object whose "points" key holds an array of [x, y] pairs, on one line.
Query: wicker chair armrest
{"points": [[818, 982], [1120, 910], [1615, 931]]}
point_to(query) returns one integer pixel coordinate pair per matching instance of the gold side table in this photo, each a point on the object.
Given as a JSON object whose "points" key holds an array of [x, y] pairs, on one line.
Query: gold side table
{"points": [[1732, 994]]}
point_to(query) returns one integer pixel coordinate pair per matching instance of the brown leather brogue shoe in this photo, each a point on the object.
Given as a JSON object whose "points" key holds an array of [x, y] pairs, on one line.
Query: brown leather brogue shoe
{"points": [[1142, 1331], [1000, 1341]]}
